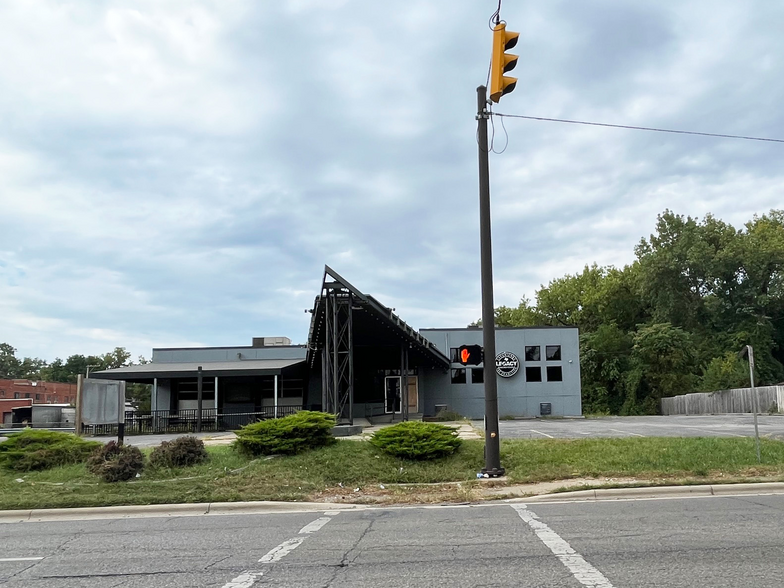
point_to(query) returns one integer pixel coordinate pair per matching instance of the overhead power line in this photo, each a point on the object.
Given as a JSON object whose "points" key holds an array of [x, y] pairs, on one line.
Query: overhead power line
{"points": [[676, 131]]}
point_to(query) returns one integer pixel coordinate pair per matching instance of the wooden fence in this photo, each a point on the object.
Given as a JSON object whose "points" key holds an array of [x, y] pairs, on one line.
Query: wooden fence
{"points": [[771, 399]]}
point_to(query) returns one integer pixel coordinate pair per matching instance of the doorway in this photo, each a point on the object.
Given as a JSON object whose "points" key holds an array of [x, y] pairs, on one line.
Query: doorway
{"points": [[392, 395]]}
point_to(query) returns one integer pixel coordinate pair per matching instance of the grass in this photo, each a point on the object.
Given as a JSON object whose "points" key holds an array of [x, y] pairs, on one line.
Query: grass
{"points": [[334, 472]]}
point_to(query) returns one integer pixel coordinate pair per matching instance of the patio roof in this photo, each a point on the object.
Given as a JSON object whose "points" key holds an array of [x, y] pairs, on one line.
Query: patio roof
{"points": [[246, 367]]}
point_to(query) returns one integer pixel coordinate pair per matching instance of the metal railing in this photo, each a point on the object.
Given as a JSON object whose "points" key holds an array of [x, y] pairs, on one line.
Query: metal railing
{"points": [[185, 421]]}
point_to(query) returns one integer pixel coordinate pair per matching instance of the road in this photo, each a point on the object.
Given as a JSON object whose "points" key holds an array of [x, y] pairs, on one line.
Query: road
{"points": [[695, 542], [722, 425]]}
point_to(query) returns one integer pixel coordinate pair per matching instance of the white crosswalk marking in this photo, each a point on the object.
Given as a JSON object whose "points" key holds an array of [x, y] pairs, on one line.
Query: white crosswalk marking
{"points": [[248, 578], [583, 572]]}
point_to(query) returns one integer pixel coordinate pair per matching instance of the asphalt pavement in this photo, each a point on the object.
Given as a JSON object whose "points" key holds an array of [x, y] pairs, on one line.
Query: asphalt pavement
{"points": [[721, 425], [694, 542]]}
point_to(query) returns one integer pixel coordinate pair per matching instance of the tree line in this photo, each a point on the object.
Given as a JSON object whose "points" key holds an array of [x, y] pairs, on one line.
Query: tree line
{"points": [[674, 320], [13, 368]]}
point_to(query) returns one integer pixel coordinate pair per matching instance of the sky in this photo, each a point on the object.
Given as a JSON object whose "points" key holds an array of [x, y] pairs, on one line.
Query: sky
{"points": [[178, 173]]}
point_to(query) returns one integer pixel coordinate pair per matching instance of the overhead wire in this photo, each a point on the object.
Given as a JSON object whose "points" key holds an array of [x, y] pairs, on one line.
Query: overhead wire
{"points": [[637, 128]]}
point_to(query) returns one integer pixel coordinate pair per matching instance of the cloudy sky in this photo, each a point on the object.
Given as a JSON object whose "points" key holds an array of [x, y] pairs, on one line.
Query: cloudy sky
{"points": [[177, 173]]}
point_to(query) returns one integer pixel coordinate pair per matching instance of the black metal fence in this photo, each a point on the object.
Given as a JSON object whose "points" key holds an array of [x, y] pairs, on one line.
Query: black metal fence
{"points": [[185, 421]]}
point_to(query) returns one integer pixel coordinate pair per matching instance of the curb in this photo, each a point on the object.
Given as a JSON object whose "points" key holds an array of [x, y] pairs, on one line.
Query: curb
{"points": [[605, 494], [168, 510], [270, 507]]}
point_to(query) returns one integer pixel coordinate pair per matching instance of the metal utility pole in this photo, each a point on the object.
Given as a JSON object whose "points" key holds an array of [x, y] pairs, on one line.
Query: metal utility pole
{"points": [[754, 399], [492, 439]]}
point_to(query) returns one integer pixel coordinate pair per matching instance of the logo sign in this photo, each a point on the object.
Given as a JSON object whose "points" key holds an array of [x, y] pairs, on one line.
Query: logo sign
{"points": [[506, 364]]}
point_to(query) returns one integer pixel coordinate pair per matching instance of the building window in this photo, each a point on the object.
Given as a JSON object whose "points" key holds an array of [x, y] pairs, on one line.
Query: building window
{"points": [[38, 397], [478, 376], [459, 376], [553, 352], [533, 374], [454, 356], [16, 395], [2, 393], [554, 373], [27, 395], [531, 353]]}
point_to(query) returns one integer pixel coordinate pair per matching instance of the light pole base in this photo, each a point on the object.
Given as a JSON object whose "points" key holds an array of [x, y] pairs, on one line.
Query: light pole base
{"points": [[493, 473]]}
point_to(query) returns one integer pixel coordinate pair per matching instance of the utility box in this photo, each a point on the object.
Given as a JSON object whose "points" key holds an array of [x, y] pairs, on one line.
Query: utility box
{"points": [[545, 408]]}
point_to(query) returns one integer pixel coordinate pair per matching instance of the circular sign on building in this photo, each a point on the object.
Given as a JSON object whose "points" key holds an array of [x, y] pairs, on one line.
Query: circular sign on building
{"points": [[506, 364]]}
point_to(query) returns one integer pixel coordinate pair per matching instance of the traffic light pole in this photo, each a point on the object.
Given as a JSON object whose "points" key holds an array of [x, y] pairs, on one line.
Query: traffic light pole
{"points": [[492, 439]]}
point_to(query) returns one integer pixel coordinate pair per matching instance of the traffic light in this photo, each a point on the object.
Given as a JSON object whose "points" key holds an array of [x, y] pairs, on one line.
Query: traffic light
{"points": [[502, 62], [470, 354]]}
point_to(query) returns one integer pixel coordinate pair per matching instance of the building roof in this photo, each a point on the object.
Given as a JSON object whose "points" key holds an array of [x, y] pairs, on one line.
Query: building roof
{"points": [[247, 367], [373, 323]]}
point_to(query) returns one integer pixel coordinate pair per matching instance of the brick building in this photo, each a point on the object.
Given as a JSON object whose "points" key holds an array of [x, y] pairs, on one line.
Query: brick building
{"points": [[38, 392]]}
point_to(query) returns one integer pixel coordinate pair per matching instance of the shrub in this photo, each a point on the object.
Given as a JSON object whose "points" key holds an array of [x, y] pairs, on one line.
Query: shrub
{"points": [[417, 440], [181, 452], [116, 463], [38, 449], [288, 435]]}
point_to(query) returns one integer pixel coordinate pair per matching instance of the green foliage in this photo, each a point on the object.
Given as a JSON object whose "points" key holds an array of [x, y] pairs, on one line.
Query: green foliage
{"points": [[180, 452], [668, 323], [298, 432], [416, 440], [448, 416], [39, 449], [725, 372], [116, 463]]}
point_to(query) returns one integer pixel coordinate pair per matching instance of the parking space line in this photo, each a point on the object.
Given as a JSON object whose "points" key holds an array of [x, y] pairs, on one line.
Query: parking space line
{"points": [[248, 578], [545, 434], [582, 571], [627, 432], [21, 558]]}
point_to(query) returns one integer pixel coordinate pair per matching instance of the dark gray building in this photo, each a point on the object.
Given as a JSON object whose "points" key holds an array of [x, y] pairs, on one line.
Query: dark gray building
{"points": [[361, 360]]}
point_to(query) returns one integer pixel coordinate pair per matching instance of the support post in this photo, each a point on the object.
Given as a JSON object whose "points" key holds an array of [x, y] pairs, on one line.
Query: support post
{"points": [[79, 400], [492, 440], [275, 395], [755, 401], [199, 399], [216, 403], [121, 416]]}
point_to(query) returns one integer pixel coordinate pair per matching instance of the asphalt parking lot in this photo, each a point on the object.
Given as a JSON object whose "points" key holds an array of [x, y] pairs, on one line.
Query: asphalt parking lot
{"points": [[722, 425]]}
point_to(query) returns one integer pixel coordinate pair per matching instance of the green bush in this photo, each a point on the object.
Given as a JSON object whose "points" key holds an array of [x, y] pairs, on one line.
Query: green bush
{"points": [[39, 449], [116, 463], [288, 435], [417, 440], [180, 452]]}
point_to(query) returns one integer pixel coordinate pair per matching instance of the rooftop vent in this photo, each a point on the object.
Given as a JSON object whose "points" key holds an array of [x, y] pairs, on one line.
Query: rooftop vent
{"points": [[271, 341]]}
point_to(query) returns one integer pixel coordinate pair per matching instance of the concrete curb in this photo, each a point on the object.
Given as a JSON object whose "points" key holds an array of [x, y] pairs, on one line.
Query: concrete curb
{"points": [[167, 510], [604, 494], [269, 507]]}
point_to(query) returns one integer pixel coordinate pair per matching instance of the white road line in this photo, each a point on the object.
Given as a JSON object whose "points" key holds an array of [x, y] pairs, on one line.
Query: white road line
{"points": [[247, 578], [244, 580], [583, 572], [545, 434], [314, 526], [21, 558], [627, 432], [278, 553]]}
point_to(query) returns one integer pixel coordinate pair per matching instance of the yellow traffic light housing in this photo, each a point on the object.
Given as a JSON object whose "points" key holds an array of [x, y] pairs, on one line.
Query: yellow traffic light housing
{"points": [[502, 62]]}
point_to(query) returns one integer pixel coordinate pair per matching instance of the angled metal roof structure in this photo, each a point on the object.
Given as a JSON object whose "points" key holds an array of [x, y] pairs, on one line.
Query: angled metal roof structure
{"points": [[344, 317]]}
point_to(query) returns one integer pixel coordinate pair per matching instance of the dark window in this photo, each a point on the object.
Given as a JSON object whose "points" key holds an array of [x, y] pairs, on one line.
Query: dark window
{"points": [[454, 356], [38, 397], [533, 374], [2, 393], [459, 376], [16, 395], [477, 376], [553, 352], [27, 395], [554, 373], [531, 353]]}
